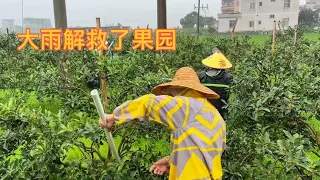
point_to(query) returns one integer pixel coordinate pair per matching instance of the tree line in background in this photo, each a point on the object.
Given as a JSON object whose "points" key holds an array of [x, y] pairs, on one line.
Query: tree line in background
{"points": [[191, 20], [308, 17]]}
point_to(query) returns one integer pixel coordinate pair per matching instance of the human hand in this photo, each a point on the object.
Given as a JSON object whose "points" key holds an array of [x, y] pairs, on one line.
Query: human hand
{"points": [[110, 122], [160, 167]]}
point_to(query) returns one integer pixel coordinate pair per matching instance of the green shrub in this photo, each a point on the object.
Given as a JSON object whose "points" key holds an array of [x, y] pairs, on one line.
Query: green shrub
{"points": [[48, 123]]}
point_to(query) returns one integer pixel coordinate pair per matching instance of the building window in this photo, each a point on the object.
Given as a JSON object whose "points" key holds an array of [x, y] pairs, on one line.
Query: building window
{"points": [[251, 24], [287, 3], [259, 22], [260, 3], [271, 16], [252, 5], [273, 0], [232, 23], [285, 22]]}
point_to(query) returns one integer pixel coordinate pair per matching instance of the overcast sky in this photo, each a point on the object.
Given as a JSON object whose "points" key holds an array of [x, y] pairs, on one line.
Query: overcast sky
{"points": [[127, 12]]}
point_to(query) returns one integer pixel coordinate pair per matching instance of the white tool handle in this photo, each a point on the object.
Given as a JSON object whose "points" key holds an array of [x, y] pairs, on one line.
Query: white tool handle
{"points": [[97, 102]]}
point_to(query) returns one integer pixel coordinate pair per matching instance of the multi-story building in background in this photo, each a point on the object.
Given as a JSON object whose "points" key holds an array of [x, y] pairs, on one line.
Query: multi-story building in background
{"points": [[257, 15], [8, 23]]}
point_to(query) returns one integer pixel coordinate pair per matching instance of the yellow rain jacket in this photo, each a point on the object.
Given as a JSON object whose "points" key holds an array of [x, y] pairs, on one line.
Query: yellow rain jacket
{"points": [[199, 132]]}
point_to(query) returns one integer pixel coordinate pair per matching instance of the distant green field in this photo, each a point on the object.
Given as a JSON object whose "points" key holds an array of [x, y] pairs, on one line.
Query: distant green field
{"points": [[313, 36], [258, 38], [262, 38]]}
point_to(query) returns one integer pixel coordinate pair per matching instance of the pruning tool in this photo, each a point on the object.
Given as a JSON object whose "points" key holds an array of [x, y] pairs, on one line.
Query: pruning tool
{"points": [[97, 102]]}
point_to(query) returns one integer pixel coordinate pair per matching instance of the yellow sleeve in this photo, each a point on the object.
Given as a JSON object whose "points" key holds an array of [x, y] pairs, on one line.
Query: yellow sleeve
{"points": [[130, 110], [161, 109]]}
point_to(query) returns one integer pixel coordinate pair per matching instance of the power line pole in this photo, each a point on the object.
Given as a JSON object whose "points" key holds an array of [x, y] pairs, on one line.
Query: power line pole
{"points": [[60, 14], [60, 21], [198, 24], [204, 10], [202, 7], [22, 16], [162, 14]]}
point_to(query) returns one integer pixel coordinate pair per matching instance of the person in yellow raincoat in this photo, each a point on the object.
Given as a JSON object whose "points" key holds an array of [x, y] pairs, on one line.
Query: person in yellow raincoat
{"points": [[198, 130]]}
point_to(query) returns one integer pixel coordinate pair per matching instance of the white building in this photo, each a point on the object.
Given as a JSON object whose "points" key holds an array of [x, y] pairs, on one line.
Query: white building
{"points": [[257, 15], [8, 23]]}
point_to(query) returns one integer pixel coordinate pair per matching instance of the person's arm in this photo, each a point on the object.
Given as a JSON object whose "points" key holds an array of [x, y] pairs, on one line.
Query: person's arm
{"points": [[151, 108]]}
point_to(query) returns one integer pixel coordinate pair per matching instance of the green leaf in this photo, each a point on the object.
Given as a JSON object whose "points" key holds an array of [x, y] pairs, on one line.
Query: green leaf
{"points": [[288, 134], [264, 109]]}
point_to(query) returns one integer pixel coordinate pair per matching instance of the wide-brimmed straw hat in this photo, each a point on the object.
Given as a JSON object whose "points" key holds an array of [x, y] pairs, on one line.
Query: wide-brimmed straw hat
{"points": [[217, 61], [186, 77]]}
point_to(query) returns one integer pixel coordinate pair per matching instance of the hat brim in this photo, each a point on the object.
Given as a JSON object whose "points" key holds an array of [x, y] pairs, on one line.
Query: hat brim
{"points": [[217, 61], [206, 92]]}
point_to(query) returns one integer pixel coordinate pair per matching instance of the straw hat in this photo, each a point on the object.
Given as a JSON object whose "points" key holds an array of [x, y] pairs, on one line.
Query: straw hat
{"points": [[217, 61], [186, 77]]}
